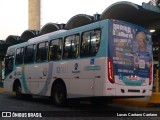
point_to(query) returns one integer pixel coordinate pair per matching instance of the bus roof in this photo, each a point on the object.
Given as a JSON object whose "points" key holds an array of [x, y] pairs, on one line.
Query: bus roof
{"points": [[45, 36], [55, 34], [18, 45]]}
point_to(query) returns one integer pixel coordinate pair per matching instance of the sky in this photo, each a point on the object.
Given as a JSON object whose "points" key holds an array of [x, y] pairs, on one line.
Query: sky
{"points": [[14, 13]]}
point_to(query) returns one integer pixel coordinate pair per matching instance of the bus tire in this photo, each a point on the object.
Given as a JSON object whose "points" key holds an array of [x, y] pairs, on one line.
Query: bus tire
{"points": [[59, 94], [18, 90]]}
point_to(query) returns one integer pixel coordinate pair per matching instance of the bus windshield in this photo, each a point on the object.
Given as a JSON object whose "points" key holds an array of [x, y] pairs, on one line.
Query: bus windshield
{"points": [[9, 62], [130, 48]]}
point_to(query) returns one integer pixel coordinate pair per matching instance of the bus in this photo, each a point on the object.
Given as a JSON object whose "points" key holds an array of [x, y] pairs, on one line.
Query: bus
{"points": [[105, 59]]}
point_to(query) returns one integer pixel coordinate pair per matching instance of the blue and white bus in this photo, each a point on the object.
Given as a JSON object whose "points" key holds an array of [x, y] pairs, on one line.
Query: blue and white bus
{"points": [[105, 59]]}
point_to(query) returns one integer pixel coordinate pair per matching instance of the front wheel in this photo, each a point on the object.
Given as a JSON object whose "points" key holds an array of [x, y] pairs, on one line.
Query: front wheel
{"points": [[18, 91], [59, 94]]}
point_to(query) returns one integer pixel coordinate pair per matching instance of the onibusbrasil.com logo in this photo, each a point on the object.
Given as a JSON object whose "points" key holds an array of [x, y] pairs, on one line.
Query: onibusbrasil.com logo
{"points": [[20, 114]]}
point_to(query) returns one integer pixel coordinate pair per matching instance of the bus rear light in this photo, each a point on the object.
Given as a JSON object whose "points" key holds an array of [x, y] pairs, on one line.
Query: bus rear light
{"points": [[109, 88], [110, 71], [150, 75]]}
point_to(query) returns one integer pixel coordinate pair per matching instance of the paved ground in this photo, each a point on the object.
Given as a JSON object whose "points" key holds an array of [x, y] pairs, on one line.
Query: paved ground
{"points": [[75, 111]]}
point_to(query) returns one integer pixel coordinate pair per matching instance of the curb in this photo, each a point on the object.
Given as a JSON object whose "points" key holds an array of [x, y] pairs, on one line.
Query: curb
{"points": [[133, 102], [1, 89]]}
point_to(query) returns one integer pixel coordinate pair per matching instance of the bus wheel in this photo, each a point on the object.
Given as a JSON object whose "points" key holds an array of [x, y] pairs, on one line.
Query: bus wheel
{"points": [[18, 91], [59, 94]]}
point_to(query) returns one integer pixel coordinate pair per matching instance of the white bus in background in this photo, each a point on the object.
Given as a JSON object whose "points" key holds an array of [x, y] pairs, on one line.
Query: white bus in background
{"points": [[99, 60]]}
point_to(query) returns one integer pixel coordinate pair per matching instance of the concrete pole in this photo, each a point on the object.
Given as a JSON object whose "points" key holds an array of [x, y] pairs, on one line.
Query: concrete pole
{"points": [[34, 14]]}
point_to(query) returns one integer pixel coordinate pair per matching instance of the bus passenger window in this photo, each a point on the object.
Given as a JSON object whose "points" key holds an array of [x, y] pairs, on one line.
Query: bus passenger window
{"points": [[29, 54], [42, 50], [85, 44], [19, 56], [55, 49], [71, 47], [90, 43], [95, 41]]}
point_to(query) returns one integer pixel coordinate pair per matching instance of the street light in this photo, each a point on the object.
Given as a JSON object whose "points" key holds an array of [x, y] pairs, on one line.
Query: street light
{"points": [[152, 30]]}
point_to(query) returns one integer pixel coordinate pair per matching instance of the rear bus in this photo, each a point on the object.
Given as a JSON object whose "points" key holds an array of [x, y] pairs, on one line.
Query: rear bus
{"points": [[129, 60]]}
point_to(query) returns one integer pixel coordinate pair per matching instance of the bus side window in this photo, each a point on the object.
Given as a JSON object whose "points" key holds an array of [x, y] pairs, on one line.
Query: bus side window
{"points": [[90, 43], [42, 50], [71, 47], [29, 54], [55, 49], [85, 44], [95, 41], [19, 56]]}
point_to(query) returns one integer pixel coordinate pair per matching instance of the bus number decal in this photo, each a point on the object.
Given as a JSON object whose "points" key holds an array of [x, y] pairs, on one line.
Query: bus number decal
{"points": [[75, 70], [61, 69]]}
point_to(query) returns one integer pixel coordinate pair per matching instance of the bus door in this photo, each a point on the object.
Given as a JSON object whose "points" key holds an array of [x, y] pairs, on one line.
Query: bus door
{"points": [[34, 76], [40, 69], [20, 69], [38, 77], [37, 66]]}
